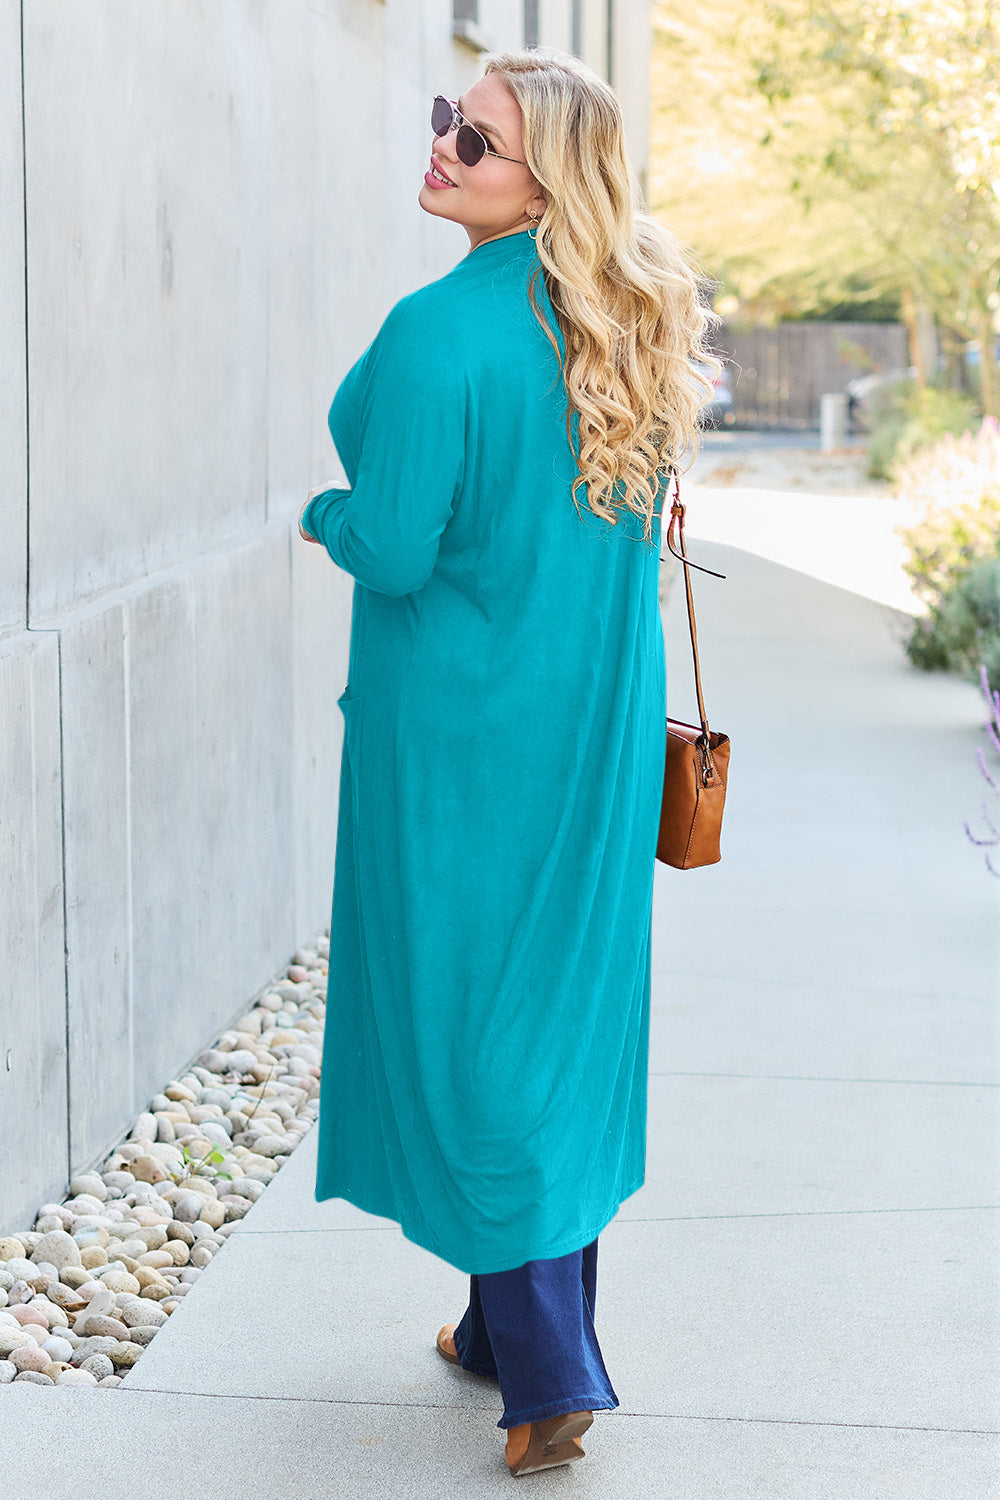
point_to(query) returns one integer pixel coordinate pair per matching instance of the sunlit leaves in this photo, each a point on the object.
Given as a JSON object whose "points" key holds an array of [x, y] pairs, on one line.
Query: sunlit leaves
{"points": [[863, 142]]}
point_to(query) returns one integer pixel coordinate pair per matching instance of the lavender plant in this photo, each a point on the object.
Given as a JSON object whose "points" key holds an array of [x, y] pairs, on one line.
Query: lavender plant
{"points": [[992, 840]]}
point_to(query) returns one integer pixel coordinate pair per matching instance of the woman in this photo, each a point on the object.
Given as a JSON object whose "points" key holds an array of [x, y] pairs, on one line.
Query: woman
{"points": [[505, 437]]}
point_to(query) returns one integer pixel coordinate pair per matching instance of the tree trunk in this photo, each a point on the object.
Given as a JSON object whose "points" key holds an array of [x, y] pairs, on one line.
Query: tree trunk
{"points": [[989, 382], [922, 335], [957, 370], [908, 307]]}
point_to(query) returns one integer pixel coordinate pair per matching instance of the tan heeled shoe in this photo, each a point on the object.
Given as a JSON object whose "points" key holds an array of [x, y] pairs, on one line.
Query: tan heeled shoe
{"points": [[446, 1344], [547, 1444]]}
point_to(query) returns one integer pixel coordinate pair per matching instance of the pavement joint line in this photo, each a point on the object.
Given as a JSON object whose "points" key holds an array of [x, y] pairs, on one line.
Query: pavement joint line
{"points": [[835, 992], [393, 1228], [778, 1213], [954, 1083], [344, 1229], [831, 990], [820, 1213], [807, 1422], [656, 1416]]}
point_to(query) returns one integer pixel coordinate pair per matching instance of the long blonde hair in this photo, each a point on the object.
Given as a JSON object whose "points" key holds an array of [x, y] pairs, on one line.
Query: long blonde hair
{"points": [[624, 290]]}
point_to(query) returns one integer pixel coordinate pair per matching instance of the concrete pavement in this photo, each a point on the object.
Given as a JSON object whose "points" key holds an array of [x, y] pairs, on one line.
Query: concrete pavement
{"points": [[801, 1303]]}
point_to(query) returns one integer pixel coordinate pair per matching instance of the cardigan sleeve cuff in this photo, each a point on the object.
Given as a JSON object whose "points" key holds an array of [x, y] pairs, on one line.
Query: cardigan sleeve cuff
{"points": [[318, 511]]}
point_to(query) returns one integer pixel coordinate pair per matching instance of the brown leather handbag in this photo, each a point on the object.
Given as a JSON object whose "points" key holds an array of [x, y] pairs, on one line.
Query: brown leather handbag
{"points": [[697, 761]]}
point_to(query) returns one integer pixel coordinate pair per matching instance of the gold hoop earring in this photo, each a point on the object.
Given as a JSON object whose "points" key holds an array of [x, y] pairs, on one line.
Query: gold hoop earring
{"points": [[537, 222]]}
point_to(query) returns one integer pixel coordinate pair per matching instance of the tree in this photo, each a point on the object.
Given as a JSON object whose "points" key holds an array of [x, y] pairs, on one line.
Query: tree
{"points": [[861, 138], [726, 186], [909, 88]]}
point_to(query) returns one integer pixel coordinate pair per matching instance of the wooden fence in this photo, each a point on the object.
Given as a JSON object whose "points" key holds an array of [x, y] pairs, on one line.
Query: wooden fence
{"points": [[777, 375]]}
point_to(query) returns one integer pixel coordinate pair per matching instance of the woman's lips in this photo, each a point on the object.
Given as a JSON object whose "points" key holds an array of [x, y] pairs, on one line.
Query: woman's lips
{"points": [[436, 182]]}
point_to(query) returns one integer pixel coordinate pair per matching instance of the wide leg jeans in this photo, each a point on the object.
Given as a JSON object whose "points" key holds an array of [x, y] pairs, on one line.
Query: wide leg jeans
{"points": [[533, 1331]]}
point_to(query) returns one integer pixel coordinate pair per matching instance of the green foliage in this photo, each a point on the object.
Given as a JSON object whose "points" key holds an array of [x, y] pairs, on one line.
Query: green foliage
{"points": [[200, 1166], [954, 552], [859, 306], [207, 1165], [821, 152], [906, 420], [962, 632], [720, 176], [887, 420]]}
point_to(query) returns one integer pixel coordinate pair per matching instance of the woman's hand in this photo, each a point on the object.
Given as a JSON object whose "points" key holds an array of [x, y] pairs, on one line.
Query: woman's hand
{"points": [[311, 496]]}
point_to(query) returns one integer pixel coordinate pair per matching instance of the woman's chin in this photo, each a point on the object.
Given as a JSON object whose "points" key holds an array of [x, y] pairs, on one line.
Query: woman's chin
{"points": [[429, 197]]}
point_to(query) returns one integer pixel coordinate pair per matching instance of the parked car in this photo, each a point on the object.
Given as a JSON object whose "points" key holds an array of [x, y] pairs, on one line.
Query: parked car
{"points": [[718, 410], [864, 391]]}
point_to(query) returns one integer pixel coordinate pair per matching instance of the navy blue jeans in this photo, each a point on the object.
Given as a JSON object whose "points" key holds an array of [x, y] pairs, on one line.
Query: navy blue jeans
{"points": [[533, 1331]]}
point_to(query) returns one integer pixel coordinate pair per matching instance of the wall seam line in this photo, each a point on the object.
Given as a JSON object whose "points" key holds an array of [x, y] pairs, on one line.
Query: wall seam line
{"points": [[27, 598], [65, 912], [129, 919], [27, 384], [609, 42], [267, 391]]}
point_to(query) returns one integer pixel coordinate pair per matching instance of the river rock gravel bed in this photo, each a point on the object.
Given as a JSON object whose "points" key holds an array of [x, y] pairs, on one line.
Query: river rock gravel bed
{"points": [[87, 1288]]}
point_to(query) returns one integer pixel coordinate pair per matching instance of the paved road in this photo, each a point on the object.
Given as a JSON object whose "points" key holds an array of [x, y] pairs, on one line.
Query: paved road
{"points": [[780, 498], [800, 1304], [728, 439]]}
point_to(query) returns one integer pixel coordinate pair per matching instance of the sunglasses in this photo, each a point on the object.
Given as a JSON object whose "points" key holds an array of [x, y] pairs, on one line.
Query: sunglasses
{"points": [[469, 144]]}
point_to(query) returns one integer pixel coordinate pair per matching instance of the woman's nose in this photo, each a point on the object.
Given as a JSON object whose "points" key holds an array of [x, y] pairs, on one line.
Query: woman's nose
{"points": [[442, 150]]}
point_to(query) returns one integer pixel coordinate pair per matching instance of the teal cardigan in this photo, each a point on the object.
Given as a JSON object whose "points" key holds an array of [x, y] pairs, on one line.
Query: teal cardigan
{"points": [[485, 1057]]}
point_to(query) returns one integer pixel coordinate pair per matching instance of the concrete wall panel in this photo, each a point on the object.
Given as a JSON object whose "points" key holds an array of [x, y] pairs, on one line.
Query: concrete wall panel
{"points": [[295, 202], [222, 207], [630, 63], [556, 23], [147, 249], [168, 976], [351, 176], [13, 391], [321, 625], [33, 1010], [594, 28], [246, 835], [209, 702], [98, 927], [502, 23], [210, 790]]}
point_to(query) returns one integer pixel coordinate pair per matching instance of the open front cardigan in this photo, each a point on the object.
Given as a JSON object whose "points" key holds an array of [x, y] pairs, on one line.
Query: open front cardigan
{"points": [[484, 1065]]}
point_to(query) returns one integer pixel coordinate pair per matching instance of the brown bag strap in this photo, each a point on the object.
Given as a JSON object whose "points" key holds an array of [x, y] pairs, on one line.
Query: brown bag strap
{"points": [[677, 512]]}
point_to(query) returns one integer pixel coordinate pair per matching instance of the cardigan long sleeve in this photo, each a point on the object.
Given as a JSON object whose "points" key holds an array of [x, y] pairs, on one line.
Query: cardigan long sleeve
{"points": [[385, 529]]}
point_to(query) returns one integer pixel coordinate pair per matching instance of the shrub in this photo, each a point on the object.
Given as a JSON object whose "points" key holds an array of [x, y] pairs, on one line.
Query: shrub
{"points": [[907, 420], [961, 632], [954, 551], [886, 420]]}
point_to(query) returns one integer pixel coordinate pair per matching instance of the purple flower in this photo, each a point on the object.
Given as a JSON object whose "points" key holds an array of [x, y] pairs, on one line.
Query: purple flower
{"points": [[992, 727]]}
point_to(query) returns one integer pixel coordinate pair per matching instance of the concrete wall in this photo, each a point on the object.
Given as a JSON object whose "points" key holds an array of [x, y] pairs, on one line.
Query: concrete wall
{"points": [[206, 209]]}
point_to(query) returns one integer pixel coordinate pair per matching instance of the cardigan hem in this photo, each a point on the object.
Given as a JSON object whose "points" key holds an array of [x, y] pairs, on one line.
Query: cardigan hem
{"points": [[563, 1246]]}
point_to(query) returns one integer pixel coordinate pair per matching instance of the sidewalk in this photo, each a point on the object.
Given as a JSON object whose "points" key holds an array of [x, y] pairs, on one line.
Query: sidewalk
{"points": [[801, 1302]]}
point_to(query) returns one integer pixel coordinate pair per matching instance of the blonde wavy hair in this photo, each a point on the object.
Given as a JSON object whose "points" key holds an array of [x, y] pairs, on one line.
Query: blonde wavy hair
{"points": [[624, 289]]}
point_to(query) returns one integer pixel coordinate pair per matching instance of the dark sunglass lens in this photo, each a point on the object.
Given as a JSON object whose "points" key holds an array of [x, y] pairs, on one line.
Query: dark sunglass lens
{"points": [[441, 116], [470, 145]]}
